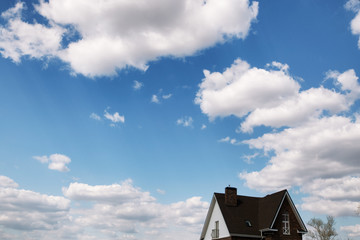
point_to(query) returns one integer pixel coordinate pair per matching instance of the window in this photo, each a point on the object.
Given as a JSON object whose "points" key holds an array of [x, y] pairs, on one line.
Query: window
{"points": [[215, 232], [286, 224]]}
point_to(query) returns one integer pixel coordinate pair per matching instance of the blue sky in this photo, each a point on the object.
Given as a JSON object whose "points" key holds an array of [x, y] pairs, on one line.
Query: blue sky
{"points": [[120, 119]]}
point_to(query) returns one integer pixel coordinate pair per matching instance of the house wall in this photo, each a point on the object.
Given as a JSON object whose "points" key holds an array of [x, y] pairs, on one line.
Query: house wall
{"points": [[217, 216], [294, 225], [238, 238]]}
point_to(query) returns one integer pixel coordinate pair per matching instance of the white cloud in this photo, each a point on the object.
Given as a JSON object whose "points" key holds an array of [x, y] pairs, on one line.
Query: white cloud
{"points": [[329, 207], [329, 144], [155, 99], [354, 231], [227, 139], [56, 161], [160, 191], [114, 118], [185, 121], [95, 117], [126, 33], [122, 209], [241, 89], [314, 148], [304, 106], [26, 210], [116, 211], [203, 127], [19, 38], [348, 82], [137, 85], [271, 97], [249, 158], [317, 156], [345, 188], [6, 182], [116, 193], [167, 96], [354, 5]]}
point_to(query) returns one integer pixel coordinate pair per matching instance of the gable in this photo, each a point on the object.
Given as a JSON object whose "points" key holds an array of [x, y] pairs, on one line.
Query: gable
{"points": [[214, 215], [288, 205]]}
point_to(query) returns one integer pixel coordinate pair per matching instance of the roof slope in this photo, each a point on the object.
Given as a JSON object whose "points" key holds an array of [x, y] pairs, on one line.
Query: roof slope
{"points": [[268, 207], [260, 212]]}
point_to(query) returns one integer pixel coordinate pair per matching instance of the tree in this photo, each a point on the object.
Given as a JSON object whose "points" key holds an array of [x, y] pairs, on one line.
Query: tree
{"points": [[322, 231]]}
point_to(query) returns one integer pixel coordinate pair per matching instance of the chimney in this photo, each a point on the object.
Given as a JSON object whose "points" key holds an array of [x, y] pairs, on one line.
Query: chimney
{"points": [[231, 196]]}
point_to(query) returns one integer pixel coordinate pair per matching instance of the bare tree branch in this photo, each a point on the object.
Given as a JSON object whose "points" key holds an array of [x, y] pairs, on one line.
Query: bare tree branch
{"points": [[322, 231]]}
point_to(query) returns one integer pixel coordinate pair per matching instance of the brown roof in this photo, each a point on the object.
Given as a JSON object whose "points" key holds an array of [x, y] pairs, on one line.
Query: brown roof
{"points": [[259, 212]]}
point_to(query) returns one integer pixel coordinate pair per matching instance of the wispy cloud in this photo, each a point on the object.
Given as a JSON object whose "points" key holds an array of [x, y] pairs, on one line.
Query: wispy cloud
{"points": [[185, 121], [167, 96], [56, 161], [249, 158], [95, 117], [162, 192], [354, 230], [155, 99], [138, 85], [227, 139], [115, 117]]}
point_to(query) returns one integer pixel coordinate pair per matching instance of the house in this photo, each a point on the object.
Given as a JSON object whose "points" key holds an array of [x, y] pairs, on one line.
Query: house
{"points": [[234, 217]]}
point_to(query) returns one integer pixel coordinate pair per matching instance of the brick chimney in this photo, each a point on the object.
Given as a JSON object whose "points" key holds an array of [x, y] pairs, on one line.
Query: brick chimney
{"points": [[231, 196]]}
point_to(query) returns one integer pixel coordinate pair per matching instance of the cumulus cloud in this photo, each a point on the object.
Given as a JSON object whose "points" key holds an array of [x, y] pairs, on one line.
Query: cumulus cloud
{"points": [[241, 89], [115, 117], [185, 121], [120, 209], [318, 156], [123, 34], [304, 106], [106, 193], [19, 38], [328, 144], [26, 210], [333, 196], [354, 5], [314, 145], [6, 182], [354, 231], [348, 82], [115, 211], [271, 97], [56, 161]]}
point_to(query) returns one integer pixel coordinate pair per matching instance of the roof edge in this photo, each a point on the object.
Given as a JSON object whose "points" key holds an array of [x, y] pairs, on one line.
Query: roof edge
{"points": [[245, 235], [208, 216], [292, 205]]}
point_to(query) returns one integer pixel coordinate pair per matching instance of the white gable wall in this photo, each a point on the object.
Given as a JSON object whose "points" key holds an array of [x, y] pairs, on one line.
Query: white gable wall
{"points": [[217, 216]]}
